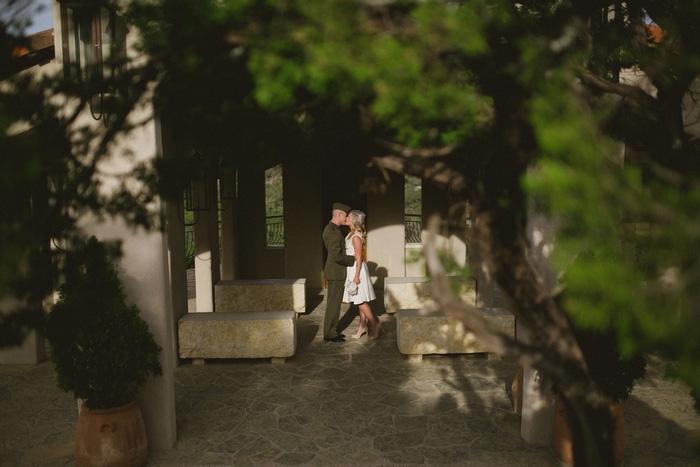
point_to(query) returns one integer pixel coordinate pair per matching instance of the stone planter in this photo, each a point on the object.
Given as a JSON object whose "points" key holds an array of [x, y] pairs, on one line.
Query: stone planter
{"points": [[563, 445], [111, 437]]}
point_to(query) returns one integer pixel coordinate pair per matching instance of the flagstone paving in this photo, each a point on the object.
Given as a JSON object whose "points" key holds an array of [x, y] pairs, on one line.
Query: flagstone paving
{"points": [[354, 403]]}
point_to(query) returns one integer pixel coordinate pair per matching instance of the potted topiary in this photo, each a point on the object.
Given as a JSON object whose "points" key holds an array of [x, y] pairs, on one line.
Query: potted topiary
{"points": [[614, 375], [103, 353]]}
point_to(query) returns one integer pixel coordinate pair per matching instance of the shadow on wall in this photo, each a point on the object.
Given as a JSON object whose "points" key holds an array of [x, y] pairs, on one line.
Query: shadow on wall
{"points": [[379, 272]]}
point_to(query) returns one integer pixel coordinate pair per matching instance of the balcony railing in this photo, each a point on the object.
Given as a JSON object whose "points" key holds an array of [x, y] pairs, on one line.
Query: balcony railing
{"points": [[274, 230], [189, 248], [414, 226]]}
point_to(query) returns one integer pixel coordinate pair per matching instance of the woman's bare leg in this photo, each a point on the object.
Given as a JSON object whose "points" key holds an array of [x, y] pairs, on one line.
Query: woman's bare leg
{"points": [[362, 328], [364, 308]]}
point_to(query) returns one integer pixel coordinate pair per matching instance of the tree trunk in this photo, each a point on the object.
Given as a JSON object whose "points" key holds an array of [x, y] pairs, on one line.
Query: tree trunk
{"points": [[556, 352], [502, 212]]}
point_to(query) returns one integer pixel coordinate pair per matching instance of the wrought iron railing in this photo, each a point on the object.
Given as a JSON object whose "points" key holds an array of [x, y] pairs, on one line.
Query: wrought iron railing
{"points": [[274, 229], [414, 226], [189, 248]]}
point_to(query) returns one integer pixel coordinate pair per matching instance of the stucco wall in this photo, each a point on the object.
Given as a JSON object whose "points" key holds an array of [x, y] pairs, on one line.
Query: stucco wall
{"points": [[145, 265]]}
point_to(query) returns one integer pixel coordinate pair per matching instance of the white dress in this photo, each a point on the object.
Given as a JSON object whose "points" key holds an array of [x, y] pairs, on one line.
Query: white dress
{"points": [[365, 289]]}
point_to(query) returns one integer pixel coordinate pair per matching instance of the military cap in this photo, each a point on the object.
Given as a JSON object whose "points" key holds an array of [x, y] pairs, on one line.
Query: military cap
{"points": [[341, 207]]}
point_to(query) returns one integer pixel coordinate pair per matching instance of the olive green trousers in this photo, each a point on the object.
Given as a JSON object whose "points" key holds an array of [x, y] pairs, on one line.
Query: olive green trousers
{"points": [[334, 297]]}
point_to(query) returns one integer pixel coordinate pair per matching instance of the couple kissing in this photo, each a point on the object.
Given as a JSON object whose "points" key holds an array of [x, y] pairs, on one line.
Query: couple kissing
{"points": [[347, 275]]}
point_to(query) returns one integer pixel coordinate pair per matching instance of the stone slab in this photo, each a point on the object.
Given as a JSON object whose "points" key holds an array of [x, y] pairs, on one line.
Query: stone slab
{"points": [[414, 292], [255, 334], [421, 334], [260, 295]]}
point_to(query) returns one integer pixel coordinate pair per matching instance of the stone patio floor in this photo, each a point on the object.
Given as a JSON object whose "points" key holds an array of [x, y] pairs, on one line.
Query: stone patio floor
{"points": [[354, 403]]}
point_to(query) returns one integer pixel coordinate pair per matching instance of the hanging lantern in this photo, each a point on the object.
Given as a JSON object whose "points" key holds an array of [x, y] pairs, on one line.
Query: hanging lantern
{"points": [[91, 35]]}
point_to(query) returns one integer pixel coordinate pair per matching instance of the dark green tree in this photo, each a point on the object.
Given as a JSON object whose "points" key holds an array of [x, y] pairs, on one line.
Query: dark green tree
{"points": [[490, 98]]}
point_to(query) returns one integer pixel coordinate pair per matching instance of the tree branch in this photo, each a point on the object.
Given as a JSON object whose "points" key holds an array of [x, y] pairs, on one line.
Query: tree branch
{"points": [[426, 168], [624, 90], [405, 151]]}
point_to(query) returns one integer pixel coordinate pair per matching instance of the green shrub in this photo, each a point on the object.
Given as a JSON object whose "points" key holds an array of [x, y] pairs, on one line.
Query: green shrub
{"points": [[102, 348]]}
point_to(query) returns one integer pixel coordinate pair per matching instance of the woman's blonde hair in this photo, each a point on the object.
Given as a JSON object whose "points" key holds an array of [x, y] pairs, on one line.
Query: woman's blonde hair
{"points": [[357, 224]]}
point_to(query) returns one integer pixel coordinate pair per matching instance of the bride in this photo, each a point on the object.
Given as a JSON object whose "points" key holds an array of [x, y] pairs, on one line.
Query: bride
{"points": [[358, 285]]}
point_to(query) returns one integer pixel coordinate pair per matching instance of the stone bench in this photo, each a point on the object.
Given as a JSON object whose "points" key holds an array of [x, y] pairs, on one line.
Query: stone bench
{"points": [[414, 292], [421, 334], [260, 295], [252, 334]]}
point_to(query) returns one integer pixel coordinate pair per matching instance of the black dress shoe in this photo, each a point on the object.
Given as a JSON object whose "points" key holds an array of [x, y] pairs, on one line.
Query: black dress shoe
{"points": [[335, 339]]}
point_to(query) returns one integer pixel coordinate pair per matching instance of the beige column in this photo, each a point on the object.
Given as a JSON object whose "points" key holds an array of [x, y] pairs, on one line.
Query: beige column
{"points": [[386, 232], [255, 259], [485, 283], [227, 191], [175, 230], [146, 259], [452, 237], [539, 404], [303, 220], [144, 270], [206, 247], [250, 219]]}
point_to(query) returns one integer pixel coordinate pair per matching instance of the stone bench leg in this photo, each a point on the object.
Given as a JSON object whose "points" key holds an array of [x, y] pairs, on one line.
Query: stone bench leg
{"points": [[415, 358], [273, 360]]}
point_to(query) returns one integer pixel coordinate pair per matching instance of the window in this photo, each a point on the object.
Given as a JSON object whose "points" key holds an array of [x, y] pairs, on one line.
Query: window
{"points": [[274, 206], [413, 216]]}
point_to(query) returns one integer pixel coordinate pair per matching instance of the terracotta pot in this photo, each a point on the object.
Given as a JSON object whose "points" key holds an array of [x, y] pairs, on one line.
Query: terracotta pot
{"points": [[111, 437], [563, 445]]}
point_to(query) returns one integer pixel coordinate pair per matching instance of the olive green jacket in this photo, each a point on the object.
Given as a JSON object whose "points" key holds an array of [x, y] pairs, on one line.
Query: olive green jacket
{"points": [[337, 261]]}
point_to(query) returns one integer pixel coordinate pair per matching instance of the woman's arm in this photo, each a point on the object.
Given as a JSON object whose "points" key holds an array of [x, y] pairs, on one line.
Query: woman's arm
{"points": [[357, 245]]}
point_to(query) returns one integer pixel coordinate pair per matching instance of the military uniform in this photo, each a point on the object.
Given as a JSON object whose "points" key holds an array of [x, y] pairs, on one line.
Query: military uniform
{"points": [[334, 272]]}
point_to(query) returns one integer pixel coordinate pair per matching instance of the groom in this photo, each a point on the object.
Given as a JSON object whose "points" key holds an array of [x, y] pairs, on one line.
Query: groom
{"points": [[335, 271]]}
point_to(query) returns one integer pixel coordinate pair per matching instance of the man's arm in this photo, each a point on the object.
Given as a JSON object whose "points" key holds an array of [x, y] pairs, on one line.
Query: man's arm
{"points": [[336, 250]]}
